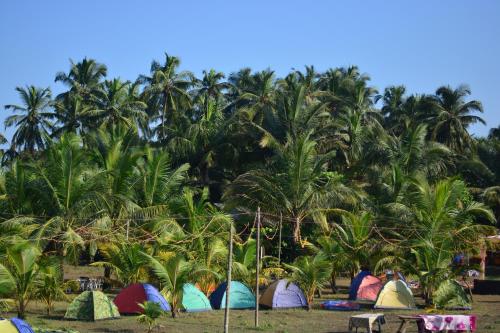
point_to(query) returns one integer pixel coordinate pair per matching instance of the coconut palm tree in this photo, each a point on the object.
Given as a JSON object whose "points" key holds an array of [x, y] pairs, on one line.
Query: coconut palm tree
{"points": [[452, 116], [255, 95], [211, 88], [311, 273], [439, 221], [50, 286], [126, 260], [354, 237], [82, 79], [151, 312], [18, 272], [72, 115], [173, 272], [66, 189], [297, 183], [33, 119], [167, 92], [113, 105]]}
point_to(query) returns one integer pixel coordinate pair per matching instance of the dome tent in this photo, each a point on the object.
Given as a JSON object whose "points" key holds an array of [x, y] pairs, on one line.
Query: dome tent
{"points": [[395, 294], [14, 325], [91, 306], [241, 296], [128, 299], [282, 294], [365, 287], [452, 296], [193, 300]]}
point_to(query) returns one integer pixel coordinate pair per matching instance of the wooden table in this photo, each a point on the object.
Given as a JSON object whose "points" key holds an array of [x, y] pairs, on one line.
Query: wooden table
{"points": [[366, 321]]}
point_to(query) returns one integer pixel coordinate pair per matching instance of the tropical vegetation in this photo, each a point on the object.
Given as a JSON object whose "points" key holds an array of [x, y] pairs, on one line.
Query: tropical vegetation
{"points": [[145, 177]]}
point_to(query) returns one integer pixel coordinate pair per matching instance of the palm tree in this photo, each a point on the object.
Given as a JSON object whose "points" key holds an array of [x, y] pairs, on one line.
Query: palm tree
{"points": [[66, 189], [167, 92], [50, 286], [211, 88], [244, 262], [255, 95], [18, 273], [71, 115], [112, 105], [297, 183], [126, 260], [83, 78], [354, 236], [151, 312], [439, 221], [173, 273], [452, 116], [160, 182], [32, 123], [311, 273]]}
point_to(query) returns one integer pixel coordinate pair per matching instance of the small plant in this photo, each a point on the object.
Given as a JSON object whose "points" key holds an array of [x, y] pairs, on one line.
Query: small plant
{"points": [[152, 311]]}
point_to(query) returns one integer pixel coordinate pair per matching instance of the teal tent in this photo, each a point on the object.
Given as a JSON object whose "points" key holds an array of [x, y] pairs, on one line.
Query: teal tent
{"points": [[452, 296], [241, 296], [193, 300]]}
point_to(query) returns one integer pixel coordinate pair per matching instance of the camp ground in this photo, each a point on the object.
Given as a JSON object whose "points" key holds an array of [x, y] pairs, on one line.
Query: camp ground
{"points": [[249, 166]]}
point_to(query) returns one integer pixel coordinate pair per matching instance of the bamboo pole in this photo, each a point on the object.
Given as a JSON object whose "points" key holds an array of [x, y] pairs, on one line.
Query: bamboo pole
{"points": [[228, 279], [257, 262], [279, 239]]}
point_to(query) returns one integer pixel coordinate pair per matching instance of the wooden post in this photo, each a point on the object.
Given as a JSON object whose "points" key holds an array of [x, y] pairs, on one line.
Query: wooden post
{"points": [[128, 227], [228, 278], [482, 265], [257, 260], [279, 239]]}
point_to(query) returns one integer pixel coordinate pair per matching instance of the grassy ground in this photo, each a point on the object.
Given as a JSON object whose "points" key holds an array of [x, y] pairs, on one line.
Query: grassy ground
{"points": [[486, 308]]}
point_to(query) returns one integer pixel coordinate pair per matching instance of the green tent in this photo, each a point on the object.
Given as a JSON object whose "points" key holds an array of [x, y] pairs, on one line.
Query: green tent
{"points": [[91, 306], [193, 300], [452, 296]]}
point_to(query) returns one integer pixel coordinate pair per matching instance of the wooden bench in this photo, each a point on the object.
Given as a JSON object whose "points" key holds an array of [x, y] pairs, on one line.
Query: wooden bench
{"points": [[406, 321]]}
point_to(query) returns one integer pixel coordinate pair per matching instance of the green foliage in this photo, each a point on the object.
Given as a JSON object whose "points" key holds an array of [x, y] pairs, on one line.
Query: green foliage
{"points": [[311, 273], [50, 286], [150, 173], [18, 273], [152, 311]]}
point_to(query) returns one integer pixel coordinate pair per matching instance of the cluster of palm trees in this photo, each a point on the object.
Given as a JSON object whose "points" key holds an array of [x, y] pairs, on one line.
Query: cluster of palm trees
{"points": [[147, 177]]}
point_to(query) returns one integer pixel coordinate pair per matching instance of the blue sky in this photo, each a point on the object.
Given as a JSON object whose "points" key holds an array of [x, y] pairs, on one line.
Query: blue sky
{"points": [[421, 44]]}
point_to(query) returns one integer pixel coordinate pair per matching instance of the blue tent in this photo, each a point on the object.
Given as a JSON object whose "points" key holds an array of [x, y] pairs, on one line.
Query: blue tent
{"points": [[356, 282], [193, 300], [241, 297], [282, 294]]}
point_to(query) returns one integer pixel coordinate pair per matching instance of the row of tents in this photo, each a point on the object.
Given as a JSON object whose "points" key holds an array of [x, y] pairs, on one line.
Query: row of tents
{"points": [[95, 305], [395, 293]]}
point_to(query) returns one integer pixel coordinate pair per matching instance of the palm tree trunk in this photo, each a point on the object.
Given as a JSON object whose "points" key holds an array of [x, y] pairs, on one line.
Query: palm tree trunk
{"points": [[333, 283], [21, 310], [296, 231]]}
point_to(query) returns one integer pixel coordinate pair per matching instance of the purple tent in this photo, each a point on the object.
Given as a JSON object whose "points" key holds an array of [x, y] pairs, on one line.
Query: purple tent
{"points": [[281, 294]]}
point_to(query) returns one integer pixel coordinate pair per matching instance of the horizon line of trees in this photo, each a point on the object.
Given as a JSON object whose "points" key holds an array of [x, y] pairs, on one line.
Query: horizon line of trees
{"points": [[157, 167]]}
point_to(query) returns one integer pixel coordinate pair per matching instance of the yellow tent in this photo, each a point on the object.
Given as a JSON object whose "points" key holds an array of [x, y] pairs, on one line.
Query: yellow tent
{"points": [[7, 327], [395, 294]]}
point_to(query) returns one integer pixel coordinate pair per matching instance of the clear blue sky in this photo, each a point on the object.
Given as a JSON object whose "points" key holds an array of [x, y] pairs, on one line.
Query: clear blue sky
{"points": [[422, 44]]}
